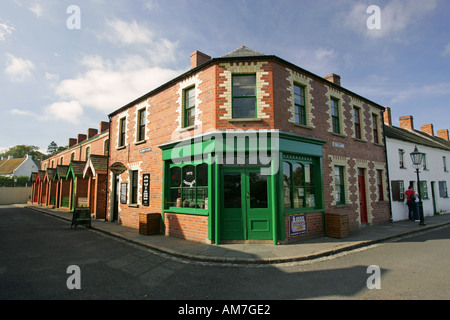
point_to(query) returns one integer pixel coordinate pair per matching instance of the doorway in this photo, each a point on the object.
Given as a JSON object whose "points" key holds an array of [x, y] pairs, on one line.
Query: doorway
{"points": [[116, 197], [362, 196], [246, 205], [433, 196]]}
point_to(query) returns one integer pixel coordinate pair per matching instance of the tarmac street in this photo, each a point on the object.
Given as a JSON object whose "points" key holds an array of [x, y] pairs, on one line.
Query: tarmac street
{"points": [[259, 253], [37, 250]]}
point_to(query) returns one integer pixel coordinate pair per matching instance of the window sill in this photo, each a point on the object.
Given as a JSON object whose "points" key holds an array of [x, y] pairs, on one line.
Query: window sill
{"points": [[360, 140], [303, 126], [342, 205], [338, 134], [120, 148], [194, 211], [133, 205], [187, 128], [378, 144], [139, 142], [245, 120]]}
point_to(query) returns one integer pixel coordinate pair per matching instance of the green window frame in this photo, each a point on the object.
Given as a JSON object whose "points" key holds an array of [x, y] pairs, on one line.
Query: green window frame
{"points": [[134, 176], [335, 117], [357, 122], [299, 185], [122, 131], [339, 186], [300, 104], [443, 193], [244, 96], [189, 107], [423, 190], [188, 186], [376, 138], [141, 125]]}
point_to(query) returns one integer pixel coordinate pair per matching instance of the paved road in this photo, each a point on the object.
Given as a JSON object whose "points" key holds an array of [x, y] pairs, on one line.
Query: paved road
{"points": [[36, 250]]}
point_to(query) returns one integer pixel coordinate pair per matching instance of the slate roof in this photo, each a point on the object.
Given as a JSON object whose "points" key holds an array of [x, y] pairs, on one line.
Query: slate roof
{"points": [[416, 137], [61, 171], [243, 51], [97, 163], [100, 163], [51, 173], [77, 167]]}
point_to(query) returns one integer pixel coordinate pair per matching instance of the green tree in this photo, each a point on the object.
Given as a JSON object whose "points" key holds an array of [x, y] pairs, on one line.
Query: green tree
{"points": [[52, 148], [21, 151]]}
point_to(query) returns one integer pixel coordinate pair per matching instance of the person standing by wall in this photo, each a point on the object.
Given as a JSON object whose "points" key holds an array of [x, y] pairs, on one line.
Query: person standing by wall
{"points": [[410, 202]]}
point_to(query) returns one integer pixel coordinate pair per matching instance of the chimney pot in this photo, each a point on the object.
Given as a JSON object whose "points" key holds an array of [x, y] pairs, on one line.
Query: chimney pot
{"points": [[387, 116], [104, 126], [81, 138], [427, 128], [443, 134], [91, 132], [336, 79], [72, 142], [198, 58], [406, 122]]}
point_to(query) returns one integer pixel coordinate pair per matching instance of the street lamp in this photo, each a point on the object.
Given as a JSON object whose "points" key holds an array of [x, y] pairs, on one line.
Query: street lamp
{"points": [[417, 159]]}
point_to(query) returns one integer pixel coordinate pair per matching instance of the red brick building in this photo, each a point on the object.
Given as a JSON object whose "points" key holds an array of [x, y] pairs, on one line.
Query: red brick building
{"points": [[247, 147], [63, 181]]}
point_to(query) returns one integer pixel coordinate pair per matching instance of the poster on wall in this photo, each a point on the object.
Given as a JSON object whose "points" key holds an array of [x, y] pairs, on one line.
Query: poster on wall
{"points": [[297, 225], [123, 193], [145, 189]]}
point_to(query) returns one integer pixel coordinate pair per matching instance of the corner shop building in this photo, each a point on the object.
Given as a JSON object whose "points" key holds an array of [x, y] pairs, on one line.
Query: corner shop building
{"points": [[247, 147]]}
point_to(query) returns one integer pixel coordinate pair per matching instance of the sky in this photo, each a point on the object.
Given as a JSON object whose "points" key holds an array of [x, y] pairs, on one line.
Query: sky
{"points": [[66, 65]]}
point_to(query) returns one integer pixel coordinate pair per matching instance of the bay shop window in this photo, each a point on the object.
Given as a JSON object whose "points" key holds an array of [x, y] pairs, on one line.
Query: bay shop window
{"points": [[188, 186]]}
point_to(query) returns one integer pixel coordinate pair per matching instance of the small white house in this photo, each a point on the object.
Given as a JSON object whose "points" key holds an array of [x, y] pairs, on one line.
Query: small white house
{"points": [[434, 175], [19, 167]]}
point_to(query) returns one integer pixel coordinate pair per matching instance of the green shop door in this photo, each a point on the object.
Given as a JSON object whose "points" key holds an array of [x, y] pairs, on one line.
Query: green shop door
{"points": [[246, 205]]}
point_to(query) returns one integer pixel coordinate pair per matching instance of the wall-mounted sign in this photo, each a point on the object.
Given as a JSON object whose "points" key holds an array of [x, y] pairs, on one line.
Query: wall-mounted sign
{"points": [[145, 189], [145, 150], [117, 168], [123, 193], [297, 225], [338, 145]]}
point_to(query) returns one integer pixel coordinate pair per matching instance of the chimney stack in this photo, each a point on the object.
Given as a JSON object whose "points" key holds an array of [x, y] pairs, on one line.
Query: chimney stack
{"points": [[72, 142], [104, 126], [387, 116], [406, 122], [336, 79], [81, 138], [91, 132], [443, 134], [427, 128], [198, 58]]}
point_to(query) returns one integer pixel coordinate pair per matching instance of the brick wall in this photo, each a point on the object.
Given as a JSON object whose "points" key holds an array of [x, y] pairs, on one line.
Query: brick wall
{"points": [[190, 227]]}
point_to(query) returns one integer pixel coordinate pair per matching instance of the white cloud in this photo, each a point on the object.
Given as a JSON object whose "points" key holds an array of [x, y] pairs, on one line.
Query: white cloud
{"points": [[37, 9], [22, 112], [127, 33], [5, 30], [321, 61], [67, 111], [18, 69], [158, 50], [109, 85], [51, 76]]}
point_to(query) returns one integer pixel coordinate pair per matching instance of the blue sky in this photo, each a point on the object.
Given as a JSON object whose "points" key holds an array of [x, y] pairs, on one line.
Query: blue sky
{"points": [[56, 82]]}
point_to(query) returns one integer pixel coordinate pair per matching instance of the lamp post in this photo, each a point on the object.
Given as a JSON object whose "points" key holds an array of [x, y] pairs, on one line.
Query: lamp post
{"points": [[417, 159]]}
